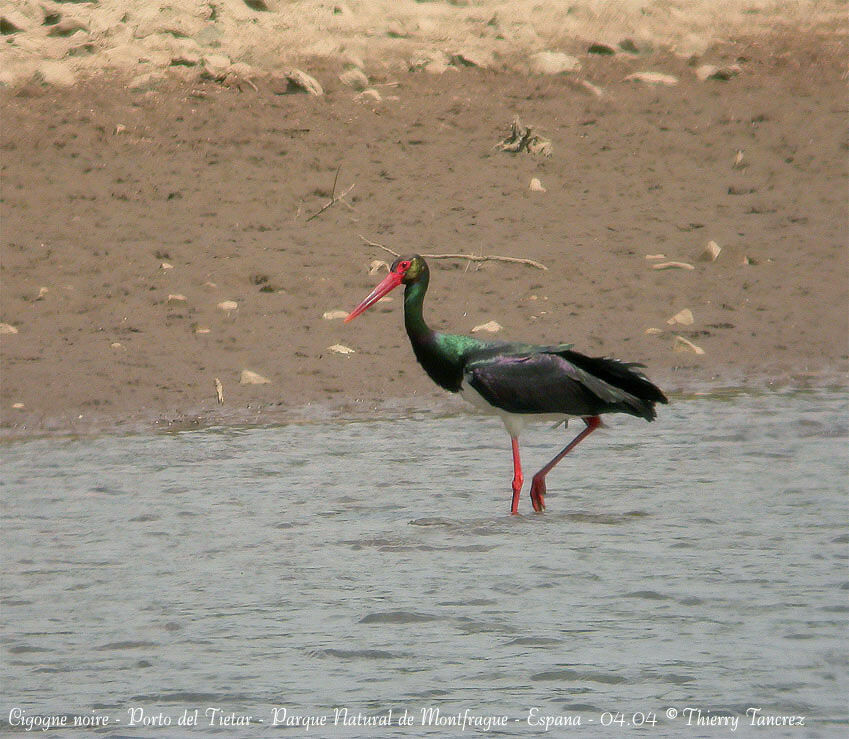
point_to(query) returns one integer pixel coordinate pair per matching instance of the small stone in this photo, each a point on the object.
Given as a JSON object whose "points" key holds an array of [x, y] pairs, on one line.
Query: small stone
{"points": [[684, 345], [655, 256], [215, 66], [738, 160], [177, 299], [712, 72], [7, 328], [672, 265], [376, 265], [165, 265], [340, 349], [369, 94], [726, 73], [741, 190], [553, 62], [491, 327], [228, 305], [240, 75], [710, 252], [436, 67], [539, 145], [435, 62], [202, 330], [684, 317], [355, 79], [124, 56], [219, 391], [119, 128], [209, 285], [586, 87], [536, 185], [146, 81], [653, 78], [116, 345], [653, 331], [332, 315], [629, 45], [57, 74], [17, 406], [472, 58], [42, 291], [302, 82], [252, 378], [705, 71], [186, 59], [237, 73]]}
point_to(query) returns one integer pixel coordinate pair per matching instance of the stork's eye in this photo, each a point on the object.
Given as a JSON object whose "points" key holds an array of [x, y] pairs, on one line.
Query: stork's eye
{"points": [[404, 266]]}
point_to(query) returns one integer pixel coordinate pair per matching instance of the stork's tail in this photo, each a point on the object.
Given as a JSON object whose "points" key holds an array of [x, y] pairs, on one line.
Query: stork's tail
{"points": [[640, 393]]}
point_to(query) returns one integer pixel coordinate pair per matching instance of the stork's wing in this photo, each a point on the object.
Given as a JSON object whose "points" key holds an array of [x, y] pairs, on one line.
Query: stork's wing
{"points": [[547, 382]]}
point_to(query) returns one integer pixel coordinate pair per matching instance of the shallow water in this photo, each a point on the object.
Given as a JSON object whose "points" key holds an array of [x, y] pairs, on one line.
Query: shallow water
{"points": [[698, 563]]}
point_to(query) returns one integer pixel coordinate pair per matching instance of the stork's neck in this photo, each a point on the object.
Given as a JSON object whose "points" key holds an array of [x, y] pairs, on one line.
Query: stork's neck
{"points": [[414, 321], [441, 355]]}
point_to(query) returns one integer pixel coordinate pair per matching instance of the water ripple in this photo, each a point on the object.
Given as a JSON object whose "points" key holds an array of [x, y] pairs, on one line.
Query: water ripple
{"points": [[699, 560]]}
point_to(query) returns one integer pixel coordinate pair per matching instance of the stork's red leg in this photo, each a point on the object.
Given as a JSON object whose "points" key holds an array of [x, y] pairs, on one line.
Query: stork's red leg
{"points": [[518, 479], [538, 482]]}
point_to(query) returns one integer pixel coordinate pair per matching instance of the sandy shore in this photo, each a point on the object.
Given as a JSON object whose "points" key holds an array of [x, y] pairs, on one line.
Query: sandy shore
{"points": [[128, 216], [59, 42]]}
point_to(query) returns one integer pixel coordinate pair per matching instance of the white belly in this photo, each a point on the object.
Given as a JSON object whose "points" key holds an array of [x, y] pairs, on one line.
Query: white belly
{"points": [[513, 422]]}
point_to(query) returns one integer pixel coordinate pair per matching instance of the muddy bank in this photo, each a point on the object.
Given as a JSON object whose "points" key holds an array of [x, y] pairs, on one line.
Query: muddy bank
{"points": [[128, 217]]}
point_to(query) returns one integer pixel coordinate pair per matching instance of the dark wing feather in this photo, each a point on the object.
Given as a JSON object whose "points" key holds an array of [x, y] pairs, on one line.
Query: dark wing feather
{"points": [[622, 375], [548, 382]]}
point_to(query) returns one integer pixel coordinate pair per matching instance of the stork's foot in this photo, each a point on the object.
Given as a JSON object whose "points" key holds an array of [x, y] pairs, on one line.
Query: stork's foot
{"points": [[538, 494]]}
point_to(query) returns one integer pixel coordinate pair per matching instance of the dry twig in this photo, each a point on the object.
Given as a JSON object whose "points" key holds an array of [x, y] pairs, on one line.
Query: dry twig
{"points": [[334, 198], [524, 139], [470, 257]]}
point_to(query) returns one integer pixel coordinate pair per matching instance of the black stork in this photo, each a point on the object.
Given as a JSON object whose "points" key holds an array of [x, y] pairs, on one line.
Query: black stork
{"points": [[518, 382]]}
